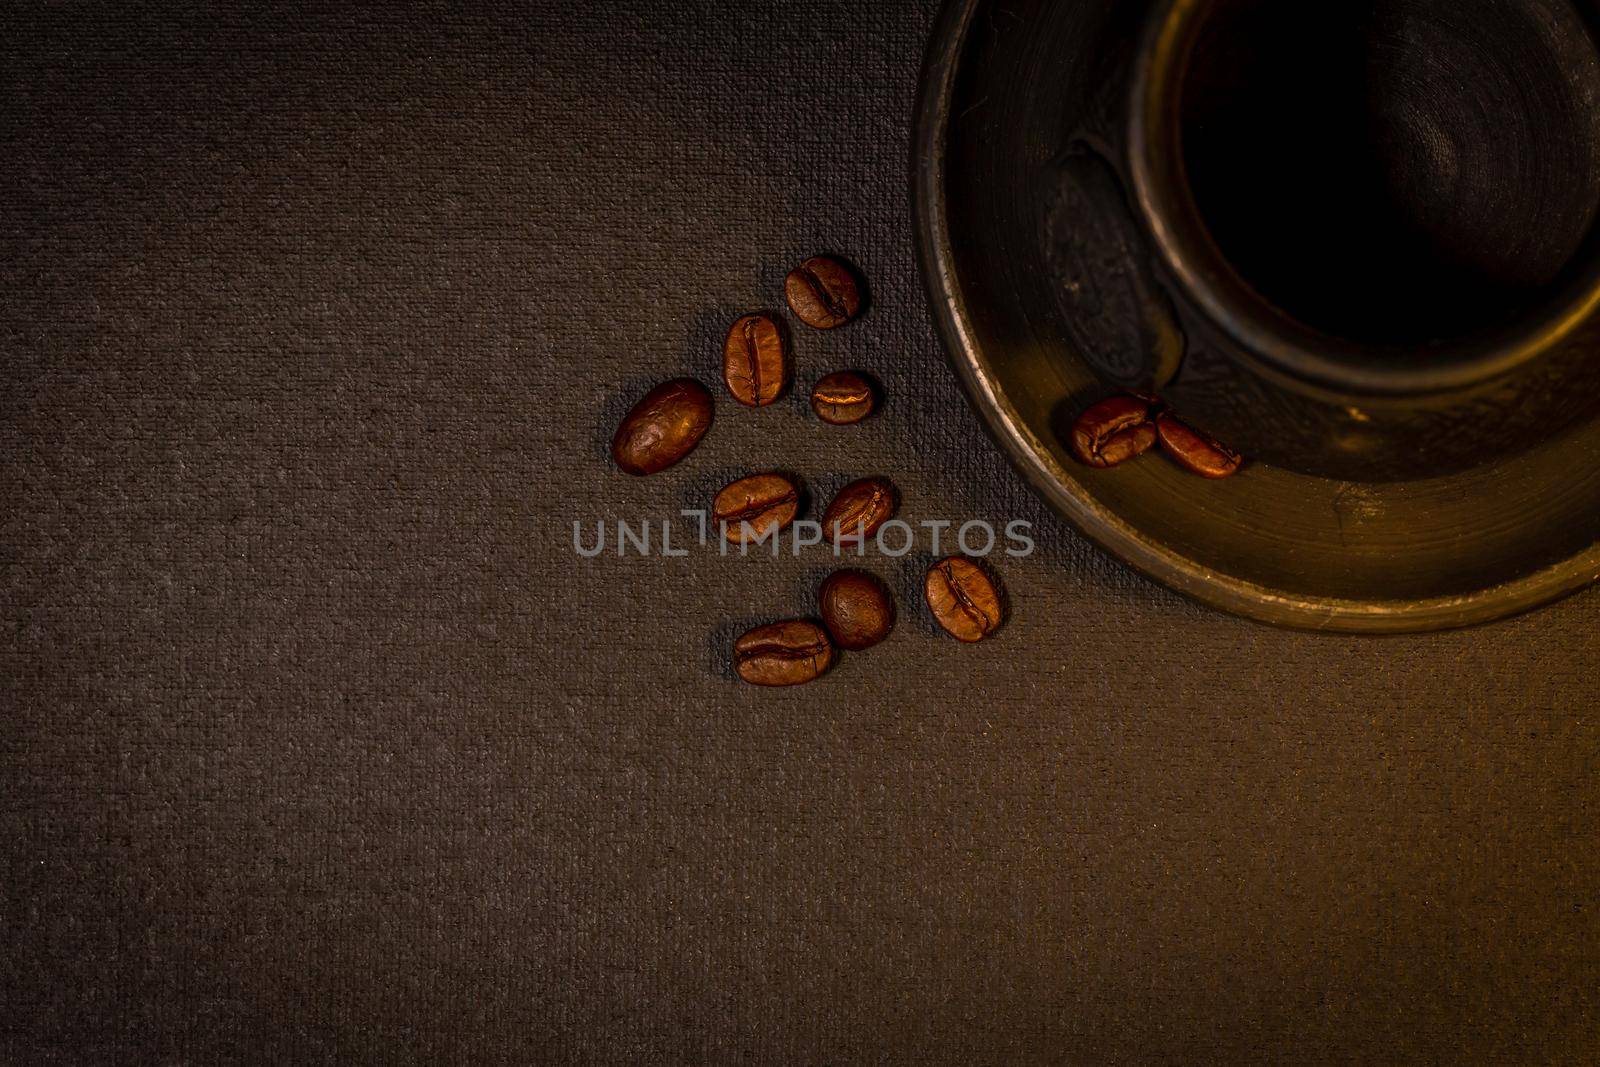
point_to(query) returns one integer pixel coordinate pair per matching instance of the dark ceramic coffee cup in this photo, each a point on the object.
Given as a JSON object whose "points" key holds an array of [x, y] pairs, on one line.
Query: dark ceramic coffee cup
{"points": [[1352, 237]]}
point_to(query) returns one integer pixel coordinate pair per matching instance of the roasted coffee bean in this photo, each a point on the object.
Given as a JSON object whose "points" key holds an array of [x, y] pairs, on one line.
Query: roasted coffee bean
{"points": [[843, 397], [858, 510], [856, 609], [962, 598], [663, 427], [753, 507], [784, 653], [755, 360], [1195, 451], [1114, 431], [823, 293]]}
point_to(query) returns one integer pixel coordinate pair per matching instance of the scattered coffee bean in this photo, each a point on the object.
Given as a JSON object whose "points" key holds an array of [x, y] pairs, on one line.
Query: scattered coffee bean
{"points": [[858, 510], [755, 360], [843, 397], [1114, 431], [856, 609], [962, 598], [753, 507], [663, 427], [784, 653], [1195, 451], [823, 293]]}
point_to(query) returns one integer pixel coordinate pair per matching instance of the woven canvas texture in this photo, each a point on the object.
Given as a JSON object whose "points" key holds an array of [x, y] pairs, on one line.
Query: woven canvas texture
{"points": [[320, 744]]}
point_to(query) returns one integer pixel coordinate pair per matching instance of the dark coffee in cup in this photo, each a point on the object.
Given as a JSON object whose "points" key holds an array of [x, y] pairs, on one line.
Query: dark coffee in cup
{"points": [[1343, 182], [1395, 171]]}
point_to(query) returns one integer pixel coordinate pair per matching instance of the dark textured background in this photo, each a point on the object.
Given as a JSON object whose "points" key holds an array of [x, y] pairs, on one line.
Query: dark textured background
{"points": [[319, 744]]}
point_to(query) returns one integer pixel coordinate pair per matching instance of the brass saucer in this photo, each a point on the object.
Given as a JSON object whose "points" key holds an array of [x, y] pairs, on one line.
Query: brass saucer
{"points": [[1005, 89]]}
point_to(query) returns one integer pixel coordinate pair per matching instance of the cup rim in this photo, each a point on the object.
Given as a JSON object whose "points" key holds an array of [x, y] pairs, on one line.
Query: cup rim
{"points": [[1275, 339]]}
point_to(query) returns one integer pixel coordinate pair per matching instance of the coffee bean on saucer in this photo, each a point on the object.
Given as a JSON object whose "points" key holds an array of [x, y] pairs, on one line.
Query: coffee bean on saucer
{"points": [[663, 427], [856, 609], [843, 397], [784, 653], [753, 507], [823, 293], [1194, 451], [963, 599], [1114, 431], [858, 510], [755, 360]]}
